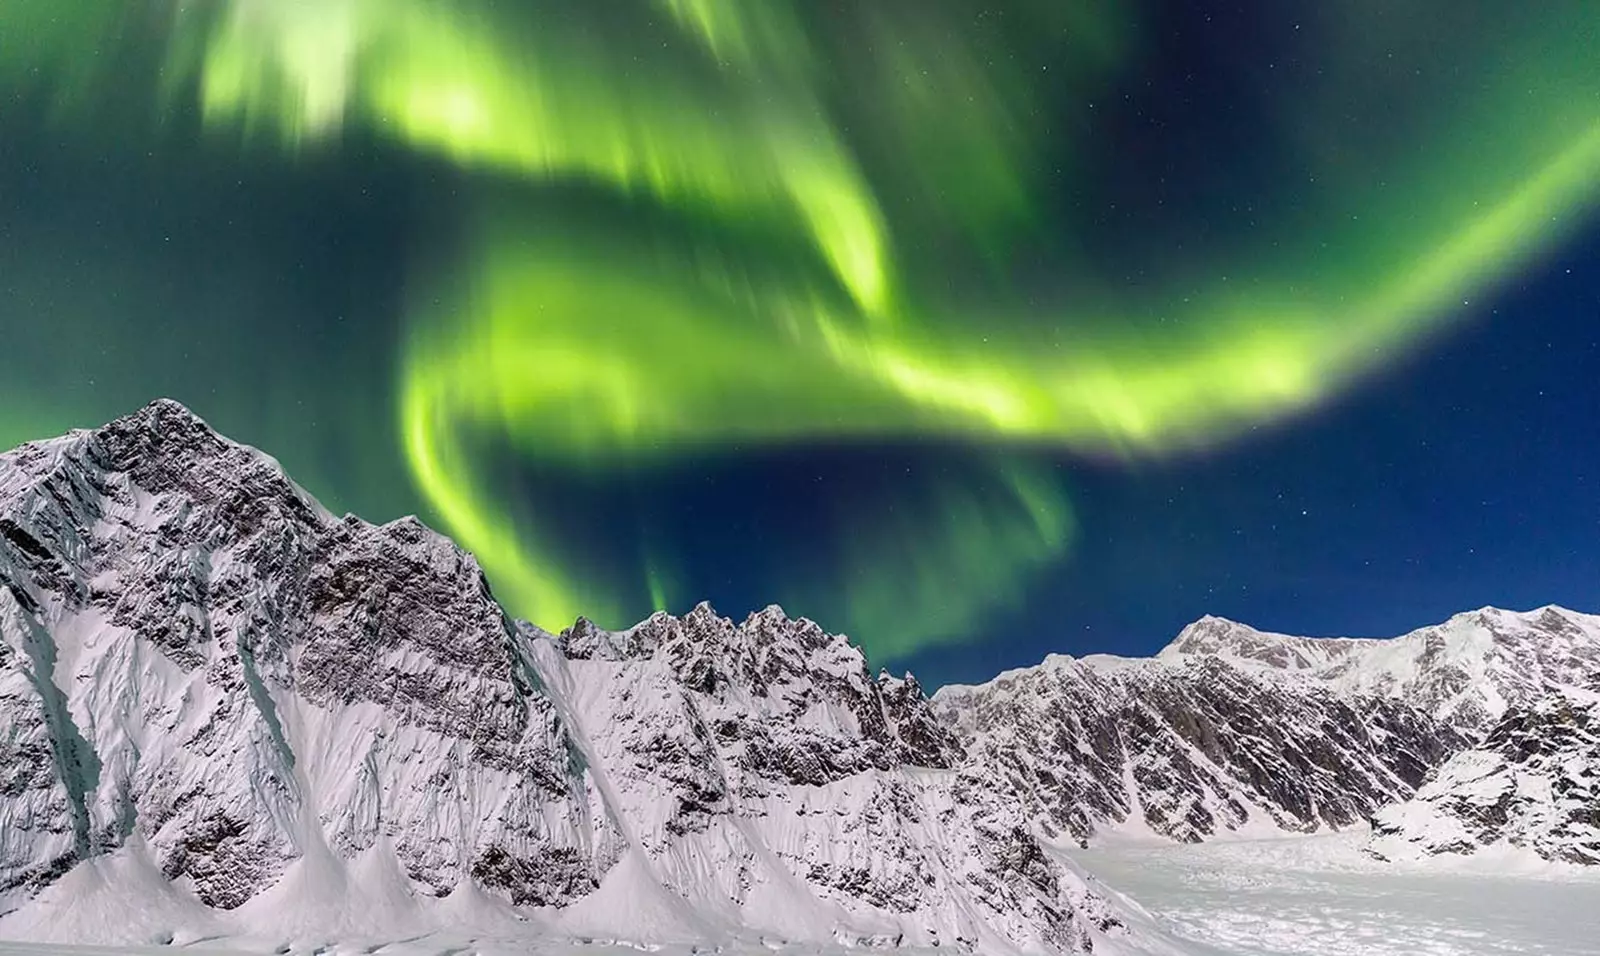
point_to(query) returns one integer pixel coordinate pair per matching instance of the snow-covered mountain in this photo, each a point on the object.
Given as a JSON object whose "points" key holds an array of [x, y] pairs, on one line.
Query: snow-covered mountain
{"points": [[194, 653], [1233, 729], [1191, 748], [1464, 672], [763, 773], [1521, 688], [276, 717], [1533, 782], [224, 710]]}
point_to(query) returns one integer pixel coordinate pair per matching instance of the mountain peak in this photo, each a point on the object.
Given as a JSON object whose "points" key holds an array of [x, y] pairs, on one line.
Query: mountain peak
{"points": [[165, 447], [162, 423], [169, 409], [1219, 636]]}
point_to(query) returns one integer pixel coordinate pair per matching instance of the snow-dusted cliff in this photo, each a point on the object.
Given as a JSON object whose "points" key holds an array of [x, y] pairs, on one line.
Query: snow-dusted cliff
{"points": [[276, 717], [1233, 729], [1190, 749], [764, 774], [1533, 782], [194, 653], [1464, 672]]}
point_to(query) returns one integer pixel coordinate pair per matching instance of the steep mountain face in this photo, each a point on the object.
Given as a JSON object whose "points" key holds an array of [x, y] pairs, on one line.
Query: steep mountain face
{"points": [[192, 650], [763, 770], [1533, 782], [1233, 729], [1190, 749], [205, 674]]}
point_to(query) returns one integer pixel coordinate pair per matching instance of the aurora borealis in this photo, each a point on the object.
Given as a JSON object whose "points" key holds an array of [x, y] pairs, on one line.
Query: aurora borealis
{"points": [[606, 248]]}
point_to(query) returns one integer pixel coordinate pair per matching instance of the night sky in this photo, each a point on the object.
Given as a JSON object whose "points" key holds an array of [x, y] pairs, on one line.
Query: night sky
{"points": [[977, 331]]}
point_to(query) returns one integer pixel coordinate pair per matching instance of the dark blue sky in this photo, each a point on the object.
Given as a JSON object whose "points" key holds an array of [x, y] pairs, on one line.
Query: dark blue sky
{"points": [[1468, 475]]}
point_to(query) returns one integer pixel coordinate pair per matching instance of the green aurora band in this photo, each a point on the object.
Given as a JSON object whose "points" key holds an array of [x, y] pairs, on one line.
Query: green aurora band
{"points": [[772, 289]]}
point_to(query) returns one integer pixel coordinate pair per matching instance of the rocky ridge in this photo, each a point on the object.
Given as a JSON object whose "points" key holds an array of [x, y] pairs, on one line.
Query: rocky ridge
{"points": [[205, 674], [1464, 672], [1532, 782], [1230, 729], [1192, 749], [769, 747]]}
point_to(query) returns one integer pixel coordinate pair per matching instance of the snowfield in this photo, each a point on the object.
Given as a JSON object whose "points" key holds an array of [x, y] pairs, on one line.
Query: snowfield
{"points": [[1321, 896], [1288, 896]]}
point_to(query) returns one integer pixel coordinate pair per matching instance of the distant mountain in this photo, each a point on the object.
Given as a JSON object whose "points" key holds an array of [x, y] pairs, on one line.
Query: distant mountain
{"points": [[1192, 747], [1233, 729], [1465, 672], [216, 694]]}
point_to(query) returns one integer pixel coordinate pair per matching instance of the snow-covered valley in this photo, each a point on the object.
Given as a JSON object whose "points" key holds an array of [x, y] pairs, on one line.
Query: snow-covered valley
{"points": [[1290, 896], [1322, 896]]}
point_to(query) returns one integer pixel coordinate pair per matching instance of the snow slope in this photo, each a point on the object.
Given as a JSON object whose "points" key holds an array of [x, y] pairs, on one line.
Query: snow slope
{"points": [[1321, 896]]}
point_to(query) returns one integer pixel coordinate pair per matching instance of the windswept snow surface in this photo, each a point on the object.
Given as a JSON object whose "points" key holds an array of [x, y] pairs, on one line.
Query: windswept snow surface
{"points": [[1321, 896], [1290, 896]]}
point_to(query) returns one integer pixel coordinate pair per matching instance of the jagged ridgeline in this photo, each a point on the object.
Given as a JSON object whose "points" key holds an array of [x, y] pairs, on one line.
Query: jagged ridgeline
{"points": [[218, 695], [206, 673], [1233, 730]]}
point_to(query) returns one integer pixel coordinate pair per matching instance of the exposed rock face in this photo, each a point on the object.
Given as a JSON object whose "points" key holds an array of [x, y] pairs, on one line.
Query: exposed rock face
{"points": [[1193, 748], [195, 650], [1533, 782], [1464, 672], [1230, 728], [199, 663], [769, 748]]}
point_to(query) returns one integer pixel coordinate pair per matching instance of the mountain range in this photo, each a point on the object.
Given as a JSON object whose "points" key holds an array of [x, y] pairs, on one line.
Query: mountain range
{"points": [[249, 716]]}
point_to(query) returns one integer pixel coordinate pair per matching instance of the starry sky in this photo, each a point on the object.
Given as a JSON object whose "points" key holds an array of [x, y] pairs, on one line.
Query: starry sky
{"points": [[977, 331]]}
